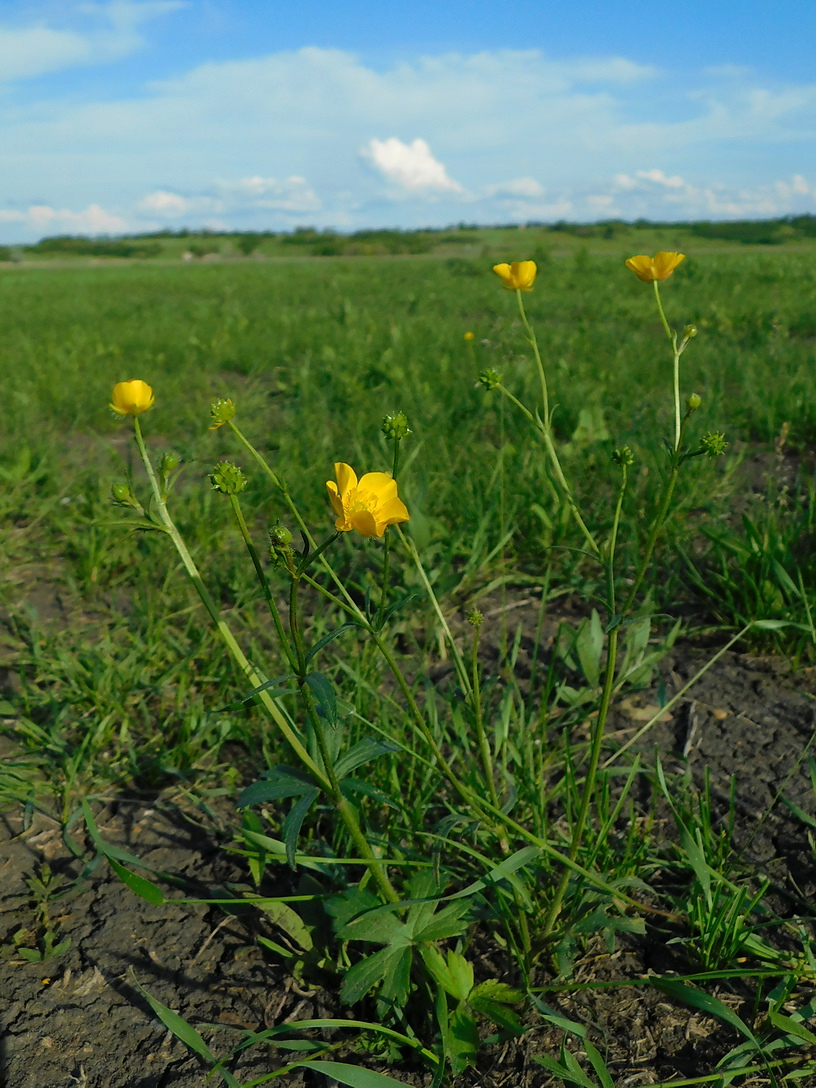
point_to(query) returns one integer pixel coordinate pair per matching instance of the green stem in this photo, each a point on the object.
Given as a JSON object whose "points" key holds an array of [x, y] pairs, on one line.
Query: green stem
{"points": [[387, 547], [613, 539], [544, 430], [280, 483], [263, 580], [481, 737], [673, 341], [547, 427], [341, 803], [238, 654], [589, 781]]}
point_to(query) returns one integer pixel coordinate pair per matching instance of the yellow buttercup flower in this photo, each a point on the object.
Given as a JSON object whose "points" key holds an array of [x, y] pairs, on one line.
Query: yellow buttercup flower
{"points": [[369, 505], [132, 398], [469, 336], [518, 276], [659, 267]]}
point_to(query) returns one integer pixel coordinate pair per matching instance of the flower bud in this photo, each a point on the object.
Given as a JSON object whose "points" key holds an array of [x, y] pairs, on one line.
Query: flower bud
{"points": [[689, 332], [694, 401], [221, 412], [714, 444], [131, 398], [280, 537], [623, 456], [228, 478], [169, 463], [490, 378], [396, 426], [122, 494]]}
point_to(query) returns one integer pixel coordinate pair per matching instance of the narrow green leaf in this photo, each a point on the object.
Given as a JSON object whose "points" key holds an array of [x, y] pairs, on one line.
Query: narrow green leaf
{"points": [[792, 1027], [294, 821], [138, 884], [323, 693], [352, 1075], [185, 1032], [279, 783], [599, 1065], [287, 919], [318, 646], [516, 861], [688, 995], [363, 752]]}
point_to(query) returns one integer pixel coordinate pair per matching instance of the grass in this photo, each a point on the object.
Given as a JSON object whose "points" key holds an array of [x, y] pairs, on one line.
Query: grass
{"points": [[113, 679]]}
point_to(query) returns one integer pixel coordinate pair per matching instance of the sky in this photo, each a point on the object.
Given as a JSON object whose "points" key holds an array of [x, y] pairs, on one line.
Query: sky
{"points": [[137, 115]]}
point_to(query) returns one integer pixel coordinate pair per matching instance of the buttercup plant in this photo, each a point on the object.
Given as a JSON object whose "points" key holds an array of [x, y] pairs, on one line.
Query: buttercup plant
{"points": [[401, 904]]}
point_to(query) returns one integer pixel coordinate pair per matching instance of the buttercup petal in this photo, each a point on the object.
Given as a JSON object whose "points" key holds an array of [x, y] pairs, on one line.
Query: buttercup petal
{"points": [[393, 512], [346, 477], [642, 267], [379, 484], [334, 498], [665, 263], [365, 523]]}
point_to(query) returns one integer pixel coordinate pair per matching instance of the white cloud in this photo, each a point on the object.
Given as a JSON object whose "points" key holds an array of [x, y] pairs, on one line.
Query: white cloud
{"points": [[29, 51], [506, 135], [47, 220], [411, 166], [525, 187], [164, 203], [293, 195]]}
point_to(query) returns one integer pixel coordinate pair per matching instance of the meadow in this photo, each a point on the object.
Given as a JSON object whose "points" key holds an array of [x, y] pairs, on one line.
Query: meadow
{"points": [[527, 907]]}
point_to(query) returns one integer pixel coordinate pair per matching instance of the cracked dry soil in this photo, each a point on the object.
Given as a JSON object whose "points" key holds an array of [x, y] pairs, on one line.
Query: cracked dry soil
{"points": [[80, 1020]]}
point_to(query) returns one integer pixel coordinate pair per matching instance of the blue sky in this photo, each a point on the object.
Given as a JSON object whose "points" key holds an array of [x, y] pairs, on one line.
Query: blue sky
{"points": [[132, 115]]}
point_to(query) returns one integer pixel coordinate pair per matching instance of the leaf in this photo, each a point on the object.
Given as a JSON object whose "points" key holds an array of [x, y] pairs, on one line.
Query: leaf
{"points": [[792, 1027], [599, 1065], [185, 1032], [282, 915], [365, 975], [330, 637], [323, 693], [589, 647], [363, 752], [462, 1040], [516, 861], [352, 1075], [236, 704], [138, 884], [688, 995], [290, 828], [448, 922], [280, 782], [350, 786]]}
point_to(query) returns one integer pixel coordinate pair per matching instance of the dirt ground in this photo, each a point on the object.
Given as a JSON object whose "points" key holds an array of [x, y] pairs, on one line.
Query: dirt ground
{"points": [[80, 1020]]}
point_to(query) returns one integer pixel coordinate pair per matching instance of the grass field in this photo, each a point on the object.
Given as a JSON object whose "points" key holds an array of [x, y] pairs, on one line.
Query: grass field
{"points": [[114, 680]]}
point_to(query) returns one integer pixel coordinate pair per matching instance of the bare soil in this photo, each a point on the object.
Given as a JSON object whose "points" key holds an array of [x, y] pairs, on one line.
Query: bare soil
{"points": [[80, 1019]]}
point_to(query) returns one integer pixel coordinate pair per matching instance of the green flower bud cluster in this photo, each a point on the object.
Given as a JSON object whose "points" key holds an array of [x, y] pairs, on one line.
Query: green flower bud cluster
{"points": [[169, 463], [221, 412], [475, 618], [714, 444], [396, 426], [490, 378], [228, 478], [122, 495], [623, 456], [279, 537]]}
